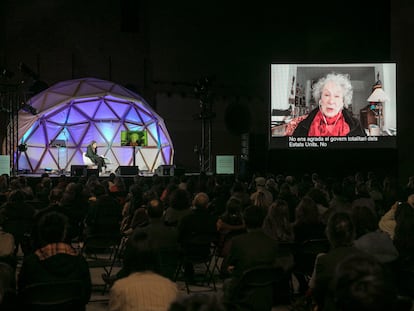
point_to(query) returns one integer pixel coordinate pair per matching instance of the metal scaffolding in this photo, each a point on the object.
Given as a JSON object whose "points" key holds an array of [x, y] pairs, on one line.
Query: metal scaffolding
{"points": [[11, 99], [206, 115]]}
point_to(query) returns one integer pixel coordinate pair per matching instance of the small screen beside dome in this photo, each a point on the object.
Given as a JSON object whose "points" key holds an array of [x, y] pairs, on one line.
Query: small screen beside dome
{"points": [[134, 138]]}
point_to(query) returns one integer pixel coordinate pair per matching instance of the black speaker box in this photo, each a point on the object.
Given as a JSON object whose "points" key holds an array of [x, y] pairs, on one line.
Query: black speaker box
{"points": [[165, 170], [127, 170], [78, 170], [92, 171]]}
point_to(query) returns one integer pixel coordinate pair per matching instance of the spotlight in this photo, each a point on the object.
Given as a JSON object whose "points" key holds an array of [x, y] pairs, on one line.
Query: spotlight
{"points": [[5, 73], [22, 147], [23, 68], [28, 108]]}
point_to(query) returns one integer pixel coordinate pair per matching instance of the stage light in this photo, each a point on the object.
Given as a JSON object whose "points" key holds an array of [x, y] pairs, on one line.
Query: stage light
{"points": [[5, 73], [29, 109], [22, 147]]}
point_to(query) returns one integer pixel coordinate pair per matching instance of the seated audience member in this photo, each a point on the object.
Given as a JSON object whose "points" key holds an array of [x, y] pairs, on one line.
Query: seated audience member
{"points": [[179, 206], [8, 299], [276, 223], [142, 288], [285, 193], [18, 218], [265, 196], [321, 199], [197, 302], [55, 260], [104, 214], [363, 198], [361, 283], [341, 233], [230, 224], [133, 202], [239, 192], [55, 195], [163, 238], [74, 204], [404, 242], [308, 224], [199, 222], [340, 201], [387, 222], [369, 238], [248, 250], [7, 247]]}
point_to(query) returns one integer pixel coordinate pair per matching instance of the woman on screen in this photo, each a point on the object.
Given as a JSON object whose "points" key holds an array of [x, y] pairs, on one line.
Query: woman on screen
{"points": [[333, 93]]}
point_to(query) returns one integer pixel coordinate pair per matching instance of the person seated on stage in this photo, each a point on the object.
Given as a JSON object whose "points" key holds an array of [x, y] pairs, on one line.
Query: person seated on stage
{"points": [[91, 153]]}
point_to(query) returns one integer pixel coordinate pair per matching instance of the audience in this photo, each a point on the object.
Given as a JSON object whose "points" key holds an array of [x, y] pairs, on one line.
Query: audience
{"points": [[365, 241]]}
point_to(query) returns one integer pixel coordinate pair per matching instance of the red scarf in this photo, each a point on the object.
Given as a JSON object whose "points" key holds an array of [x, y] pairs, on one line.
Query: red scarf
{"points": [[328, 126]]}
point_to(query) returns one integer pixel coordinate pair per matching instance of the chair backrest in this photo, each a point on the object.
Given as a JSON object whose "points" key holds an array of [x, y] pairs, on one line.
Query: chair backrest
{"points": [[254, 290], [87, 160], [307, 252], [56, 295], [200, 247]]}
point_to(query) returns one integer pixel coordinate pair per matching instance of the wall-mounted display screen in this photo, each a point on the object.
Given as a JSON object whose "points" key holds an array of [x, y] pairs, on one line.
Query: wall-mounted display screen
{"points": [[225, 164], [333, 106]]}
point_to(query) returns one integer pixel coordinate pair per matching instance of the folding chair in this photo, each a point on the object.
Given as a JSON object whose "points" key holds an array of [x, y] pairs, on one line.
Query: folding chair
{"points": [[54, 296], [305, 257], [103, 252], [254, 290], [198, 252]]}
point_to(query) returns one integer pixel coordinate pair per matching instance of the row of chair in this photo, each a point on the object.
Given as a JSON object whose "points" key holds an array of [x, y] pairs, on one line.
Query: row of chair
{"points": [[259, 284]]}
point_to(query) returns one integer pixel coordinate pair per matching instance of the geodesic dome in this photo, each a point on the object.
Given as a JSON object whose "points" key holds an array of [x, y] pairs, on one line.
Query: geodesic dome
{"points": [[81, 110]]}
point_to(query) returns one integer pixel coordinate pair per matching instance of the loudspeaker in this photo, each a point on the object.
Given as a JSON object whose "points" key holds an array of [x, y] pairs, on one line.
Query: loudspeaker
{"points": [[92, 171], [165, 170], [127, 170], [78, 170]]}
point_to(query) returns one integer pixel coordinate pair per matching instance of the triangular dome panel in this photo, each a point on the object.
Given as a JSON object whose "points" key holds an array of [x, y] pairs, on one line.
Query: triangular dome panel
{"points": [[87, 108], [105, 113]]}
